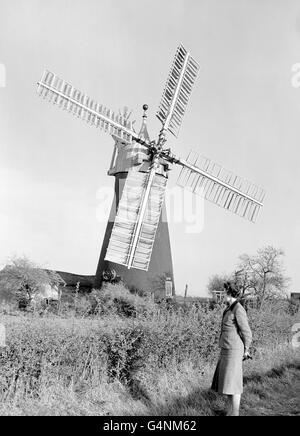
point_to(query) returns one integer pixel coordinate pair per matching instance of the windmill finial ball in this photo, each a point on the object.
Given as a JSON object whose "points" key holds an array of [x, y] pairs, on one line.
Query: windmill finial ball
{"points": [[145, 107]]}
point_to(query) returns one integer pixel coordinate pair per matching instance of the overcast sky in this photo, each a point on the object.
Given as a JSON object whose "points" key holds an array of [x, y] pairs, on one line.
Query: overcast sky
{"points": [[243, 113]]}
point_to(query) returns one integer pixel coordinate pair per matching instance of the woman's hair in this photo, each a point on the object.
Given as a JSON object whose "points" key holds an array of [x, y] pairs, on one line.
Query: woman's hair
{"points": [[231, 289]]}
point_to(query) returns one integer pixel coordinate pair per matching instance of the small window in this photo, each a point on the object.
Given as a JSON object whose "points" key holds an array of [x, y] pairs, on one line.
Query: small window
{"points": [[168, 288]]}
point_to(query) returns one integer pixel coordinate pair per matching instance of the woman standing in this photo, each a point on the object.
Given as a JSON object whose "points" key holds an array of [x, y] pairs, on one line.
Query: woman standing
{"points": [[235, 341]]}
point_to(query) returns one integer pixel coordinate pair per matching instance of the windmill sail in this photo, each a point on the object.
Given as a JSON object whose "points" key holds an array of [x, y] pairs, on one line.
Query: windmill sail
{"points": [[177, 91], [135, 226], [69, 98], [221, 186]]}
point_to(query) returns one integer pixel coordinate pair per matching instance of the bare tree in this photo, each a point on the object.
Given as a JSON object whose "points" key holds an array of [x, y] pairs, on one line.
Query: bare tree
{"points": [[22, 279], [263, 274], [216, 284], [242, 281]]}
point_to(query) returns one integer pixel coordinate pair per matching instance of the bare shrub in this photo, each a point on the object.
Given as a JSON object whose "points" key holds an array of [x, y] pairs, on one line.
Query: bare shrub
{"points": [[117, 299]]}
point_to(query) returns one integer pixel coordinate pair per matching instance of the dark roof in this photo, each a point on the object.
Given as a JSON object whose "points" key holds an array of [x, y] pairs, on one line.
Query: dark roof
{"points": [[72, 279]]}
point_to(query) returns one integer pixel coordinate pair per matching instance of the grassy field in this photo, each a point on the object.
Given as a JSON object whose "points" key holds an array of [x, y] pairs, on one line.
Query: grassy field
{"points": [[155, 363]]}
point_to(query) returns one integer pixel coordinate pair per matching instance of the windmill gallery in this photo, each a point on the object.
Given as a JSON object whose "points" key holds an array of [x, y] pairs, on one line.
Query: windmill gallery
{"points": [[136, 245]]}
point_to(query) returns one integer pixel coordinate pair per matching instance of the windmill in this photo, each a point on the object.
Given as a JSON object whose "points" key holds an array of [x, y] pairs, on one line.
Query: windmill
{"points": [[136, 244]]}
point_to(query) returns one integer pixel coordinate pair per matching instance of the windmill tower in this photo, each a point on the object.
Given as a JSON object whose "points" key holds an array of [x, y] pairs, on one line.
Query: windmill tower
{"points": [[126, 158], [136, 244]]}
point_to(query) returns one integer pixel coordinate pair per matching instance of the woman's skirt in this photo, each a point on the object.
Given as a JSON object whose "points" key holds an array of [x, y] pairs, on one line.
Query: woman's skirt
{"points": [[228, 377]]}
